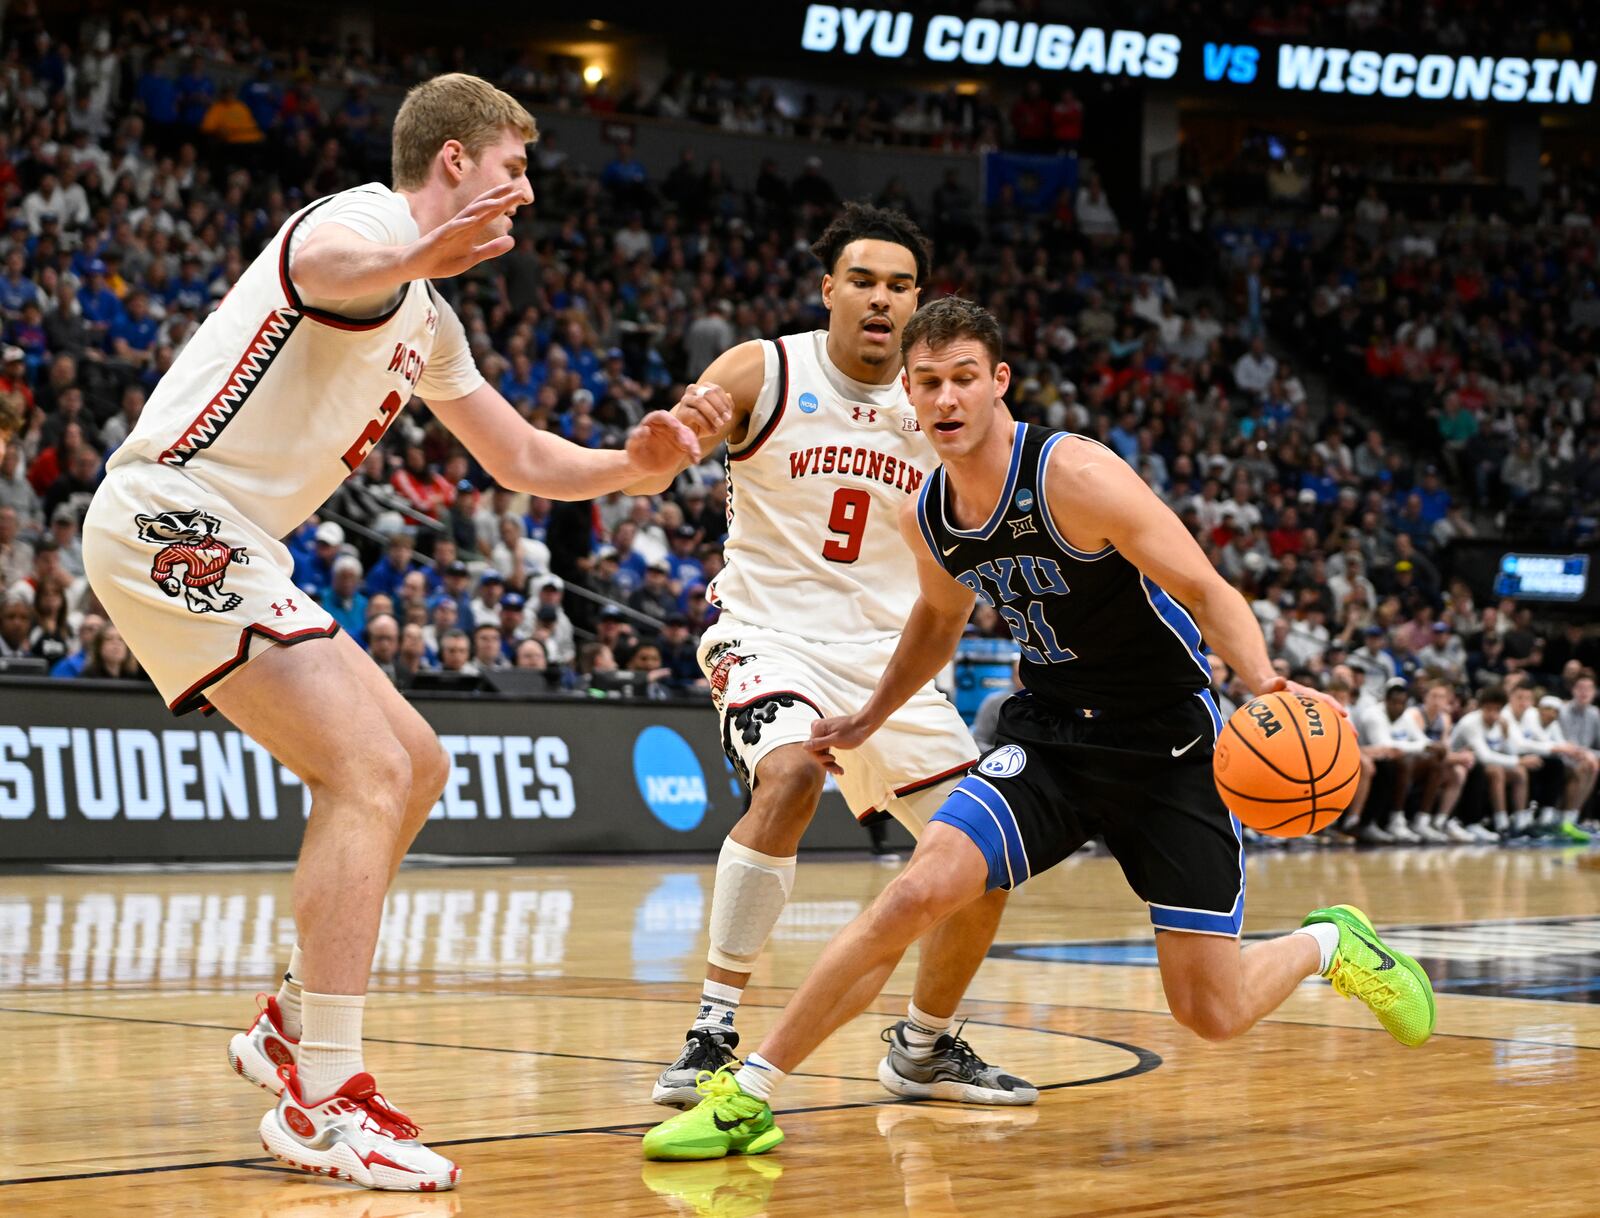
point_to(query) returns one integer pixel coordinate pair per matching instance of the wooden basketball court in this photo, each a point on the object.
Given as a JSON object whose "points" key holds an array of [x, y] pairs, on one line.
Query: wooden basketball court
{"points": [[521, 1014]]}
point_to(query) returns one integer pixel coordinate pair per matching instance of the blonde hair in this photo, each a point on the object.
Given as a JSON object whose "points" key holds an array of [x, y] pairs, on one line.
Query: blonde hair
{"points": [[455, 106]]}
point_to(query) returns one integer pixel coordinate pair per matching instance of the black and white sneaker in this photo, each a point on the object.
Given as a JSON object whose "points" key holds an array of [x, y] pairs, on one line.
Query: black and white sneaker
{"points": [[703, 1049], [953, 1072]]}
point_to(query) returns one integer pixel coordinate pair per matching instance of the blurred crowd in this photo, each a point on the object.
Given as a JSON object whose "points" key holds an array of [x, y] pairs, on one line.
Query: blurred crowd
{"points": [[136, 188]]}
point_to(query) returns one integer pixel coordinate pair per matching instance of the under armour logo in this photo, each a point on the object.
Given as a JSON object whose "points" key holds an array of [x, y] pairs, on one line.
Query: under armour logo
{"points": [[288, 606], [864, 416], [1022, 525]]}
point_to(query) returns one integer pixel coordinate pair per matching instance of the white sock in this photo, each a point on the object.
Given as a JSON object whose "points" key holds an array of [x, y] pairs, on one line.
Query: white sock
{"points": [[330, 1044], [1501, 822], [1569, 816], [1326, 936], [289, 995], [758, 1077], [922, 1031], [718, 1002]]}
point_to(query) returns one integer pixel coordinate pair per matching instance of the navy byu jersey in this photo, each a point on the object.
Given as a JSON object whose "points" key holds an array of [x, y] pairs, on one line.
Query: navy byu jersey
{"points": [[1095, 633]]}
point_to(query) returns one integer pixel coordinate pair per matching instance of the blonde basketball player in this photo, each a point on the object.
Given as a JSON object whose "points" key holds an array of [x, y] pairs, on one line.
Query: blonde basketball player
{"points": [[823, 448], [280, 395]]}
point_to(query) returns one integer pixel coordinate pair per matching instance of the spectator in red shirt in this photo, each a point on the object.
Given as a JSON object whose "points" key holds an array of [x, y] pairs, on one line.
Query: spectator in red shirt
{"points": [[1066, 120], [422, 486], [1287, 538], [1031, 119]]}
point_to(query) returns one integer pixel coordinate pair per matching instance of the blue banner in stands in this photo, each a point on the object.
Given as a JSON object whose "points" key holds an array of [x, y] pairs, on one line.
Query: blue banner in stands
{"points": [[1037, 181]]}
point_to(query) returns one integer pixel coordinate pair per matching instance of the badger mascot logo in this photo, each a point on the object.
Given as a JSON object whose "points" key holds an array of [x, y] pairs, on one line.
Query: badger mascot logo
{"points": [[189, 544]]}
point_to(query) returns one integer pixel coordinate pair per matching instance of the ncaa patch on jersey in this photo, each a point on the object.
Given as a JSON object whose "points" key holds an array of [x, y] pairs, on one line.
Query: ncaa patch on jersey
{"points": [[1005, 762], [1024, 500], [808, 403]]}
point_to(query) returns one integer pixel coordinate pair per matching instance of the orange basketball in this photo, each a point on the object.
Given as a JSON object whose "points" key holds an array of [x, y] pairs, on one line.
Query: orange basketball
{"points": [[1287, 765]]}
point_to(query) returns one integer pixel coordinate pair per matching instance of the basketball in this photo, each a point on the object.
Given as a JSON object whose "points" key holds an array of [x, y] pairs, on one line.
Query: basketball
{"points": [[1287, 765]]}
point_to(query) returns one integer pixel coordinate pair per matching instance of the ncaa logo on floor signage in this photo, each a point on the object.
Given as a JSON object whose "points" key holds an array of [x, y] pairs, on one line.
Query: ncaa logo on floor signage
{"points": [[1004, 762], [671, 782]]}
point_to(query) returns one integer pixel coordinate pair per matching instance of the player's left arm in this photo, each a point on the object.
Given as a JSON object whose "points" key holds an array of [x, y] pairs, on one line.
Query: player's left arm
{"points": [[520, 457], [1092, 494]]}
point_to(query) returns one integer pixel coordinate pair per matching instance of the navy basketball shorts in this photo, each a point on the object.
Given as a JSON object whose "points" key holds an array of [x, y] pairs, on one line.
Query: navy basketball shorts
{"points": [[1142, 780]]}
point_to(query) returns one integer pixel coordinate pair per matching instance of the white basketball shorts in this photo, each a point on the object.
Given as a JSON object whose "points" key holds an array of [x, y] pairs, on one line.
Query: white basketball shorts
{"points": [[194, 586], [769, 687]]}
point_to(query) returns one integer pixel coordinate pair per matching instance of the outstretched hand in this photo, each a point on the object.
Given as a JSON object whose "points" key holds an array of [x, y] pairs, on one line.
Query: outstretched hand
{"points": [[661, 444], [479, 231]]}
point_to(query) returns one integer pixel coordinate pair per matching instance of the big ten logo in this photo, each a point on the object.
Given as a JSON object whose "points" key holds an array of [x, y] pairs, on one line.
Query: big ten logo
{"points": [[1313, 712], [669, 777], [518, 776], [1265, 719]]}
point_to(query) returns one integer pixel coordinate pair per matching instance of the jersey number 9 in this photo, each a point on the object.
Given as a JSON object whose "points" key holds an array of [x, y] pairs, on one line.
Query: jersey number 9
{"points": [[848, 518]]}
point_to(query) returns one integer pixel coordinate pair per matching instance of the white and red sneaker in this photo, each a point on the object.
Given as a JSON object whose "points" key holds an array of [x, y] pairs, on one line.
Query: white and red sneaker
{"points": [[353, 1135], [257, 1054]]}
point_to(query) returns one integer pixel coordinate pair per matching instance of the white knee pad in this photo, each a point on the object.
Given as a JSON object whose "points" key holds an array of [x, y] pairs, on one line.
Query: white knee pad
{"points": [[752, 889], [916, 810]]}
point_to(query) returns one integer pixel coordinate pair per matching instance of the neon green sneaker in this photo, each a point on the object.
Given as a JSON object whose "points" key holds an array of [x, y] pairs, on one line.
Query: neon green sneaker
{"points": [[1572, 833], [1391, 983], [726, 1122]]}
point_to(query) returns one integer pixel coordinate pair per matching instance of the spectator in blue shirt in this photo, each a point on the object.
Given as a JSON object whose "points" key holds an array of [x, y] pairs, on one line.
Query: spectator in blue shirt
{"points": [[389, 571], [685, 568], [343, 598], [313, 568], [631, 565], [262, 97], [624, 172], [158, 94], [99, 303], [190, 290], [196, 92], [132, 336], [522, 380], [1435, 499], [88, 630], [16, 289]]}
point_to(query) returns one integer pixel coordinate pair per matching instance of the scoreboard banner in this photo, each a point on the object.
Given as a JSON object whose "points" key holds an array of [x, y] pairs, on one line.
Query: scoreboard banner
{"points": [[93, 772], [1246, 66]]}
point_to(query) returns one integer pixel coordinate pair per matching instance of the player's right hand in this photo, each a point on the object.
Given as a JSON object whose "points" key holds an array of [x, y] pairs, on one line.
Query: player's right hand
{"points": [[706, 408], [838, 732], [479, 231]]}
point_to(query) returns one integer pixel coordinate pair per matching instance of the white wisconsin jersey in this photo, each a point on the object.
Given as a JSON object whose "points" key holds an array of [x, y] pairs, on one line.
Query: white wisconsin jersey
{"points": [[814, 546], [273, 402]]}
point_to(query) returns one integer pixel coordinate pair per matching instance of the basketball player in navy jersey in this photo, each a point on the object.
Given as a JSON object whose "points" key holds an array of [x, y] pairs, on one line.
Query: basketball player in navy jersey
{"points": [[1109, 598]]}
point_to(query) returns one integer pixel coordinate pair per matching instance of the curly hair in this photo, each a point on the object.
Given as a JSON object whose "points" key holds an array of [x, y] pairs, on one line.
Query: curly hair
{"points": [[864, 222]]}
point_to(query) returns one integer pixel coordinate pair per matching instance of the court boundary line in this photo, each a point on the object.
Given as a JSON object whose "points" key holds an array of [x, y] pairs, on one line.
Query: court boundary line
{"points": [[1145, 1061]]}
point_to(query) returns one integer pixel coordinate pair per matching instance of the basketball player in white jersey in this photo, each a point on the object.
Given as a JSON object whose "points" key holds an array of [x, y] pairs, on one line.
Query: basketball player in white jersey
{"points": [[823, 448], [279, 396]]}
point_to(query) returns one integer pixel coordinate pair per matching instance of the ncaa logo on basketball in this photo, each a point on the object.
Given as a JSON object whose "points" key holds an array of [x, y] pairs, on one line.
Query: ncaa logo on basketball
{"points": [[808, 403], [669, 777], [1024, 500], [1004, 762]]}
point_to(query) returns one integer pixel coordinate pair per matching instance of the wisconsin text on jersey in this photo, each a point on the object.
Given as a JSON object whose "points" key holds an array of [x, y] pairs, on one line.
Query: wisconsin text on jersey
{"points": [[859, 462]]}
